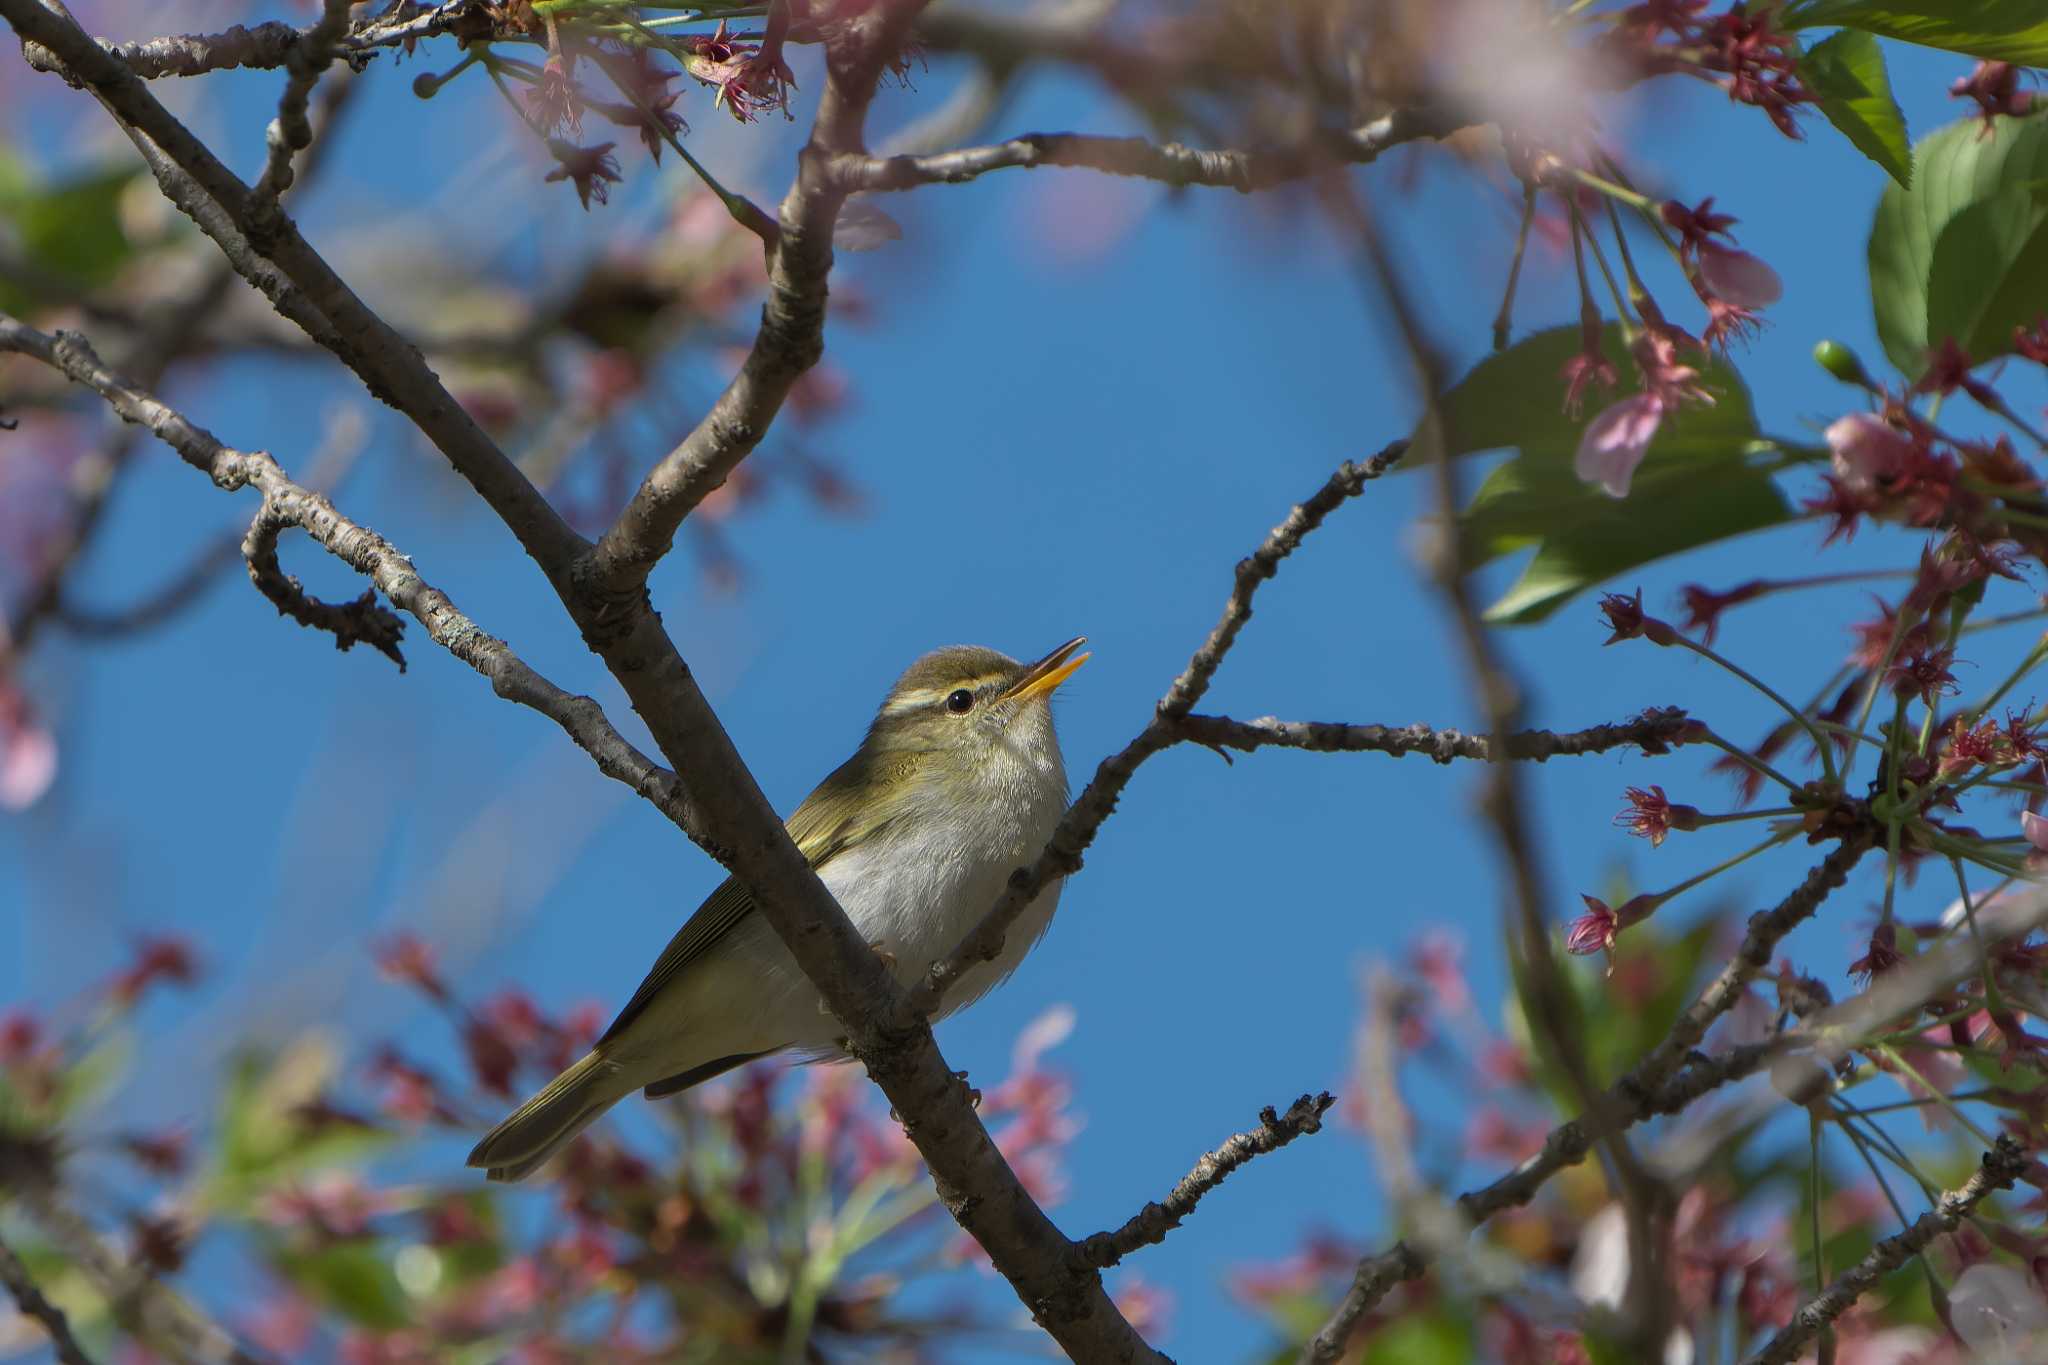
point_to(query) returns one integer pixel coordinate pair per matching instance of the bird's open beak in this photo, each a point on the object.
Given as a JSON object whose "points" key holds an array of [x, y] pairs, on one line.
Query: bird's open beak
{"points": [[1042, 677]]}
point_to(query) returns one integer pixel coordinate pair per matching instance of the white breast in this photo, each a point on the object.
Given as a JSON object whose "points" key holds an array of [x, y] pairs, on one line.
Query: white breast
{"points": [[914, 890]]}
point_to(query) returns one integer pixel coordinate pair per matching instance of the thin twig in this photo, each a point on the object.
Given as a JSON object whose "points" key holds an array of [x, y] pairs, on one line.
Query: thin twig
{"points": [[273, 43], [267, 249], [291, 132], [2002, 1165], [1553, 1013], [163, 1319], [1565, 1145], [165, 336], [1671, 1077], [1170, 163], [33, 1304], [1076, 829], [286, 503], [1149, 1225], [1655, 731]]}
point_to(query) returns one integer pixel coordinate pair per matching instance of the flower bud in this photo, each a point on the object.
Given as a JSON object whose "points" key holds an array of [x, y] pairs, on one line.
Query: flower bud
{"points": [[1841, 362]]}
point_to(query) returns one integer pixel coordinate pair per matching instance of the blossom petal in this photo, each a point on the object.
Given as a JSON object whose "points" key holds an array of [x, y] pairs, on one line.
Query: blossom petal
{"points": [[1615, 442], [2035, 828]]}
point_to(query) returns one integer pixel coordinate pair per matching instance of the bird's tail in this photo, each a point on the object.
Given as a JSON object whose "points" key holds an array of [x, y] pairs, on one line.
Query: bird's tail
{"points": [[545, 1124]]}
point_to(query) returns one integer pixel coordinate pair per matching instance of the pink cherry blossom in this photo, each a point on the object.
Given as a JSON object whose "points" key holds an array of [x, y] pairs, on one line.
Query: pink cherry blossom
{"points": [[28, 752], [1738, 277], [2035, 828], [1616, 441], [1867, 450]]}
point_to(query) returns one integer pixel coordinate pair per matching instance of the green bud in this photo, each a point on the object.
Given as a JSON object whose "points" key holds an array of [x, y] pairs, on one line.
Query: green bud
{"points": [[1841, 362]]}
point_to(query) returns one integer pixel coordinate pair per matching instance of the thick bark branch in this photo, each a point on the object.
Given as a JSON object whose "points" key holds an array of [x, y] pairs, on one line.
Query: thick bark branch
{"points": [[2003, 1165], [1076, 829], [1149, 1225], [1169, 163], [1656, 731]]}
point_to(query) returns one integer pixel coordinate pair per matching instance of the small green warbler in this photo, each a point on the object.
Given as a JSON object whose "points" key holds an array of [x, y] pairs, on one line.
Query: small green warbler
{"points": [[958, 782]]}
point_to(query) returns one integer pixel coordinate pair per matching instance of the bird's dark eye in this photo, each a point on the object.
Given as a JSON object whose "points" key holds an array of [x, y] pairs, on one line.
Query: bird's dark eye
{"points": [[960, 702]]}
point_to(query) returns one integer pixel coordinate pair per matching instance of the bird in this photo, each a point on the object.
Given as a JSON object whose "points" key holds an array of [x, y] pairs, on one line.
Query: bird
{"points": [[958, 781]]}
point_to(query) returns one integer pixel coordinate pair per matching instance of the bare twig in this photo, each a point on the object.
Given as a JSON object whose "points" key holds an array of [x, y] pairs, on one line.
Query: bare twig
{"points": [[182, 589], [1553, 1015], [1149, 1225], [1656, 731], [1766, 929], [221, 551], [286, 503], [1388, 1122], [1076, 830], [274, 43], [307, 290], [291, 132], [189, 54], [1666, 1078], [22, 1286], [790, 340], [2000, 1168], [1565, 1145], [165, 336], [1169, 163], [164, 1320]]}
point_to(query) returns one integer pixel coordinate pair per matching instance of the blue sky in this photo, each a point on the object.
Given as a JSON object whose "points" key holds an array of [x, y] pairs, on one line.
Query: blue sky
{"points": [[1051, 442]]}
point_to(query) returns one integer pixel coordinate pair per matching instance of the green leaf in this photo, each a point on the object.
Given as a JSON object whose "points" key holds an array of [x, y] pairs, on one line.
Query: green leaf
{"points": [[1444, 1337], [1699, 483], [262, 1137], [66, 234], [1996, 30], [1847, 74], [1658, 969], [1991, 271], [355, 1279]]}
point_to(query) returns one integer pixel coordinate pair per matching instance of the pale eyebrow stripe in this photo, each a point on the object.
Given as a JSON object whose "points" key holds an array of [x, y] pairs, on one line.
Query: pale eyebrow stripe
{"points": [[931, 696]]}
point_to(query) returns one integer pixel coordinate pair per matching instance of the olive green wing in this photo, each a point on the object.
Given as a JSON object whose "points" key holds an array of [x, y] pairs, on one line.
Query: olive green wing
{"points": [[823, 826]]}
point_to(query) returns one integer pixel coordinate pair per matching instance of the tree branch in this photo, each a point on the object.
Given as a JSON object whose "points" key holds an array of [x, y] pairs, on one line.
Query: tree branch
{"points": [[2001, 1166], [1076, 829], [291, 131], [1553, 1015], [286, 503], [1655, 731], [274, 43], [165, 1321], [1169, 163], [789, 341], [1565, 1145], [310, 293], [1667, 1080], [1149, 1225], [30, 1299]]}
